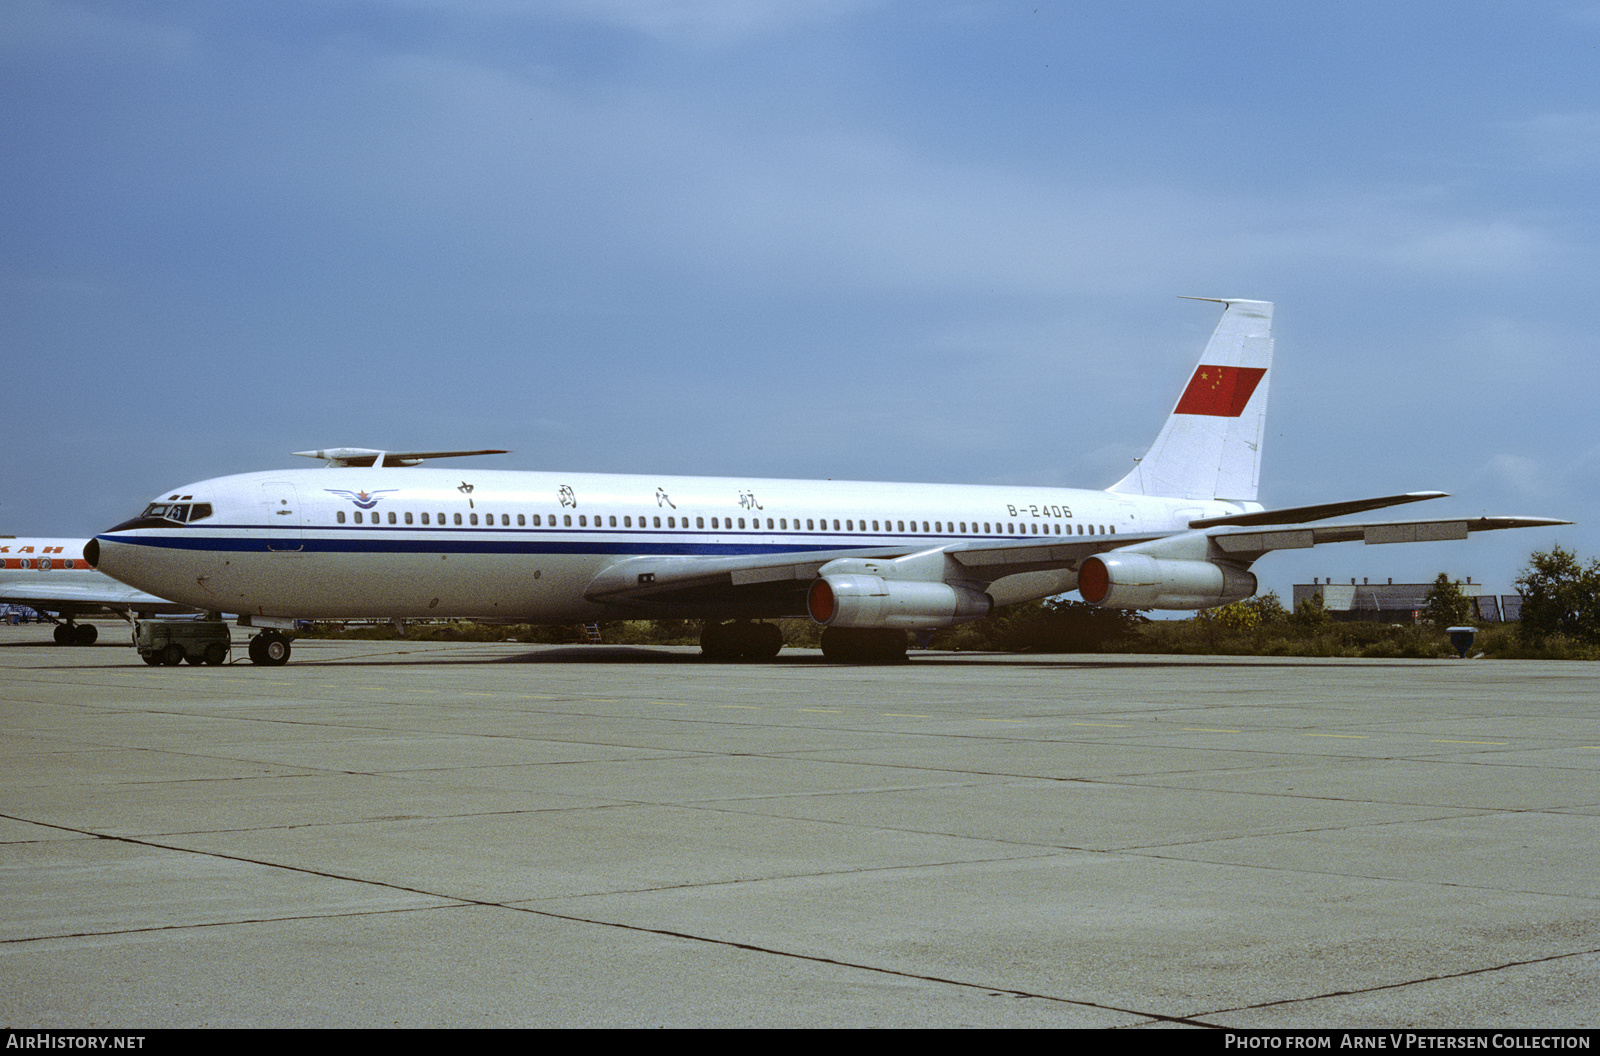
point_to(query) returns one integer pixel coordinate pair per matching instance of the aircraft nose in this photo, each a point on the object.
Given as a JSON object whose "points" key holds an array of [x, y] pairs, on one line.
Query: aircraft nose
{"points": [[91, 553]]}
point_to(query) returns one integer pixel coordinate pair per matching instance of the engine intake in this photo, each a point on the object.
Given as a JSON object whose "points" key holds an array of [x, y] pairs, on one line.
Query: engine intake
{"points": [[1138, 581], [872, 601]]}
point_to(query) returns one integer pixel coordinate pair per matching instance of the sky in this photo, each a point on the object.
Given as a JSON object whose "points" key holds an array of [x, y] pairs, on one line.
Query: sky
{"points": [[852, 239]]}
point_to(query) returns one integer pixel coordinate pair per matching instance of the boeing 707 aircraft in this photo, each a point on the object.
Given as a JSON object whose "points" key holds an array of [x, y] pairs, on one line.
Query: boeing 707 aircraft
{"points": [[371, 536]]}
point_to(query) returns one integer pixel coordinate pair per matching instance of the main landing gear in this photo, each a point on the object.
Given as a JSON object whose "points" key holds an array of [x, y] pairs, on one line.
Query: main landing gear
{"points": [[734, 641], [269, 648], [864, 645], [70, 633]]}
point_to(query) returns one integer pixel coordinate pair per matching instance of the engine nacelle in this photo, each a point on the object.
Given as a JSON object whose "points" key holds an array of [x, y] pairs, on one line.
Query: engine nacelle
{"points": [[1138, 581], [872, 601]]}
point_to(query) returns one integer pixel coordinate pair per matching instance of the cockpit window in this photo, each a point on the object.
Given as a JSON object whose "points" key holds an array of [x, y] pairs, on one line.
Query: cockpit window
{"points": [[181, 512]]}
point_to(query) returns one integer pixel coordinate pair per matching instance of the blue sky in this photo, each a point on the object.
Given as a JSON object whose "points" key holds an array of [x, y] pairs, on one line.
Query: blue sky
{"points": [[807, 238]]}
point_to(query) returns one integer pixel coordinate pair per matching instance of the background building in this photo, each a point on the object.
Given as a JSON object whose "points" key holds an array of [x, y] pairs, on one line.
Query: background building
{"points": [[1391, 602]]}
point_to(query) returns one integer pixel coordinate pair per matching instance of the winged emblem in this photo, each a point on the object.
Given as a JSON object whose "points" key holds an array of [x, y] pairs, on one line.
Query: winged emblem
{"points": [[365, 500]]}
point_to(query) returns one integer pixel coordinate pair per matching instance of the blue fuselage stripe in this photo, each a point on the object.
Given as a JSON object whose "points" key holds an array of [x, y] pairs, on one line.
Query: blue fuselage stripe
{"points": [[449, 541]]}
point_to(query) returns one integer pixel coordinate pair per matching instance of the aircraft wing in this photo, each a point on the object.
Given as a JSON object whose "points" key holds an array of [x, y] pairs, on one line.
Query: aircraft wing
{"points": [[770, 582], [1247, 546], [81, 597]]}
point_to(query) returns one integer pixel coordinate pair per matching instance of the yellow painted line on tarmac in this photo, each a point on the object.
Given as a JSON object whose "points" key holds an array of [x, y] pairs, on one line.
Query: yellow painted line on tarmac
{"points": [[902, 715], [1340, 736], [821, 711], [1204, 729], [1107, 725], [1502, 743], [740, 707]]}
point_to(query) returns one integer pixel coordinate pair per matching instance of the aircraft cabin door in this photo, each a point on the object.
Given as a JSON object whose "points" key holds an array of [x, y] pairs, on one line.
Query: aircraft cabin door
{"points": [[280, 505]]}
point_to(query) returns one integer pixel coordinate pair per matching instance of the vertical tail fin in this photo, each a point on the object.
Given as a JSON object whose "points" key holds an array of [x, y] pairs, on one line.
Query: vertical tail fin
{"points": [[1210, 447]]}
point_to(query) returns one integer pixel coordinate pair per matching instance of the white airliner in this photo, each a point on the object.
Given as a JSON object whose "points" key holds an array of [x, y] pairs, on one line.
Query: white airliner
{"points": [[51, 576], [370, 537]]}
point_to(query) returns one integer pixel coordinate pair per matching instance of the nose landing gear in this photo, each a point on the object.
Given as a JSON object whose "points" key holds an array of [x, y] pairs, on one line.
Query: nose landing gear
{"points": [[269, 648]]}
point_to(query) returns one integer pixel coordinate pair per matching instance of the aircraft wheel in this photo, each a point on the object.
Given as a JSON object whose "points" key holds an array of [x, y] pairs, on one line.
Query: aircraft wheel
{"points": [[838, 644], [216, 653], [151, 658], [193, 660], [719, 641], [769, 639], [85, 634], [864, 645], [63, 634], [172, 655]]}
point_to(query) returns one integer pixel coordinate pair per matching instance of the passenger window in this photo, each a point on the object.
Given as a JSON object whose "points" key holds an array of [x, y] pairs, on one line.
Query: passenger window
{"points": [[566, 520], [339, 516], [583, 520], [700, 522], [472, 519]]}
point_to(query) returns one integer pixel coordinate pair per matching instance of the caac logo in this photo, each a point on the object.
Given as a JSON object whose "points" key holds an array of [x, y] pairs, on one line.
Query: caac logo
{"points": [[364, 500]]}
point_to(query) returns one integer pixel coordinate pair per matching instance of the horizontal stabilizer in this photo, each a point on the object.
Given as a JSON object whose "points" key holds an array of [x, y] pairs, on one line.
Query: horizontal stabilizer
{"points": [[340, 457], [1302, 514]]}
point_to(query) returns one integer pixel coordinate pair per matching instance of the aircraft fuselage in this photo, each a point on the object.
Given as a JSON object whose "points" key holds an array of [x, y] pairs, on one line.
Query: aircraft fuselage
{"points": [[345, 543]]}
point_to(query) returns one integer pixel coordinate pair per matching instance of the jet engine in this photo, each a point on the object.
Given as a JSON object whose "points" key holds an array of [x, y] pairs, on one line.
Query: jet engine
{"points": [[1139, 581], [872, 601]]}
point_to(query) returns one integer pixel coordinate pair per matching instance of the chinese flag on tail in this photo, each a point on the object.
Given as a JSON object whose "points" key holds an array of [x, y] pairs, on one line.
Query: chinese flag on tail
{"points": [[1219, 391]]}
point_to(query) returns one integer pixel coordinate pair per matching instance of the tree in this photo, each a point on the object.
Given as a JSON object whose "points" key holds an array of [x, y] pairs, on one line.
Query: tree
{"points": [[1445, 605], [1311, 612], [1560, 596]]}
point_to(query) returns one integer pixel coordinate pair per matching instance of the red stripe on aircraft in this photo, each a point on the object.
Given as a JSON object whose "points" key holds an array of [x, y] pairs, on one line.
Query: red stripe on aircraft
{"points": [[1219, 391]]}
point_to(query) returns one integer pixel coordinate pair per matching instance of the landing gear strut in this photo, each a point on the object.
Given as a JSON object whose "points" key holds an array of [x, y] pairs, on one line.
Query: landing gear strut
{"points": [[269, 648], [732, 641]]}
